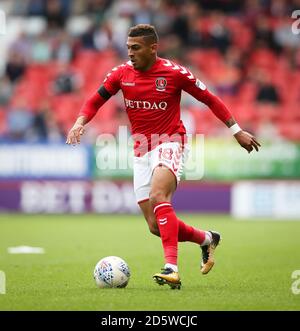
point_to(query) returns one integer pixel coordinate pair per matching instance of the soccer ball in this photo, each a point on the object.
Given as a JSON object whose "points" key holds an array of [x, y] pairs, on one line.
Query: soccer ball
{"points": [[111, 271]]}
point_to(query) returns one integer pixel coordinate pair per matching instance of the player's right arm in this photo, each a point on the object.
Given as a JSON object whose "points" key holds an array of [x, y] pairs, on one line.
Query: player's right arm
{"points": [[86, 113], [91, 106]]}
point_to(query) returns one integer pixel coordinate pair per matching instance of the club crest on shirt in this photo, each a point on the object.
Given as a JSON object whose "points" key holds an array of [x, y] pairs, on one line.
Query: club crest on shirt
{"points": [[161, 84]]}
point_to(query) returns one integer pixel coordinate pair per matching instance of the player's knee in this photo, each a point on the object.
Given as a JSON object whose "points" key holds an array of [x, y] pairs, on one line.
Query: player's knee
{"points": [[157, 196]]}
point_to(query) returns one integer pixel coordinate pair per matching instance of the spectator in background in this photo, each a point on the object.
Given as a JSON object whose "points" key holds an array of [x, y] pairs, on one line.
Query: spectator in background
{"points": [[41, 49], [163, 17], [98, 9], [44, 126], [252, 10], [97, 5], [36, 8], [55, 14], [279, 8], [219, 35], [22, 46], [267, 92], [87, 38], [66, 81], [194, 15], [228, 76], [180, 24], [19, 121], [264, 34], [102, 37], [39, 122], [63, 48], [6, 90], [234, 28], [55, 131], [144, 13], [228, 6], [15, 66]]}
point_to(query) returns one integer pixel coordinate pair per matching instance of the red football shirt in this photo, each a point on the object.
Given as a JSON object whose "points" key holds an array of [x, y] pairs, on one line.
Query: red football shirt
{"points": [[152, 100]]}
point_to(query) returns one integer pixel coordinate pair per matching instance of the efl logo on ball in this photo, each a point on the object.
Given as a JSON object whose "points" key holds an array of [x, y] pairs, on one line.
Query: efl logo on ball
{"points": [[111, 271]]}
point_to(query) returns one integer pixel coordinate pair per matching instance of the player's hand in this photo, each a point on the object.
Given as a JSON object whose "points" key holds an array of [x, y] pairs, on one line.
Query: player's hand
{"points": [[74, 134], [247, 141]]}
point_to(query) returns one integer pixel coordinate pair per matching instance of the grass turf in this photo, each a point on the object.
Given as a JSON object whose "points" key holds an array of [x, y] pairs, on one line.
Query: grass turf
{"points": [[253, 264]]}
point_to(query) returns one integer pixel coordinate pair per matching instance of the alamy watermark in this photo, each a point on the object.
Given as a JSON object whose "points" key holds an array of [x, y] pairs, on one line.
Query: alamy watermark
{"points": [[2, 282], [2, 22], [114, 152], [295, 288], [296, 24]]}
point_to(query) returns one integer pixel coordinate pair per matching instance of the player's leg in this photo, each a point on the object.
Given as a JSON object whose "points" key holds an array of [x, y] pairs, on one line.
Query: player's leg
{"points": [[172, 157], [142, 177], [163, 185], [185, 232], [142, 182], [149, 217]]}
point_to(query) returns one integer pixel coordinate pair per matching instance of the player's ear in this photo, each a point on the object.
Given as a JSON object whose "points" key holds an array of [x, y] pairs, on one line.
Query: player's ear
{"points": [[154, 48]]}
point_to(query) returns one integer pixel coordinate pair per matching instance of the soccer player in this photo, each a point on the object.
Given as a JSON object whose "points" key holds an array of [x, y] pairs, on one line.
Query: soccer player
{"points": [[152, 88]]}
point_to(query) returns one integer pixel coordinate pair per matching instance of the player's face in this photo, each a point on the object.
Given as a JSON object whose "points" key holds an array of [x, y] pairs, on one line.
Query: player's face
{"points": [[141, 53]]}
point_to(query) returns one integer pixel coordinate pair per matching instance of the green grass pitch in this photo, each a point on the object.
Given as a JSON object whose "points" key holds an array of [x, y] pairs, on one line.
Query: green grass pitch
{"points": [[253, 267]]}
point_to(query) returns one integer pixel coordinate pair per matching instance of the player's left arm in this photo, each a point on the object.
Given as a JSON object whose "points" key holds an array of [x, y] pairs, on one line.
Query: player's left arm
{"points": [[199, 91]]}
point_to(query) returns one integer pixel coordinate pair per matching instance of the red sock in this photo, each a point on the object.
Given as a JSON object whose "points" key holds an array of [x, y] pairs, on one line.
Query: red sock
{"points": [[189, 233], [168, 228]]}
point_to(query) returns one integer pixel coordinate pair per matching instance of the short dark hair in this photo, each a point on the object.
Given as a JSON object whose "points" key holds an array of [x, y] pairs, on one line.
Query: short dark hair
{"points": [[144, 30]]}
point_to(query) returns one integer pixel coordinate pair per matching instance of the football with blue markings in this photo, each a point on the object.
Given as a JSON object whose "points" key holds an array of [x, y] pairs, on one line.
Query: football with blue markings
{"points": [[111, 271]]}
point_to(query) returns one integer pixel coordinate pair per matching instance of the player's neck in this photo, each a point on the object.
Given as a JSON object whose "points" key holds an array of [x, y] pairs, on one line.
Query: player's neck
{"points": [[150, 64]]}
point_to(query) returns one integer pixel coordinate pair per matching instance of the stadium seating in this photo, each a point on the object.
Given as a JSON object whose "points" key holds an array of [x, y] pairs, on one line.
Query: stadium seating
{"points": [[233, 79]]}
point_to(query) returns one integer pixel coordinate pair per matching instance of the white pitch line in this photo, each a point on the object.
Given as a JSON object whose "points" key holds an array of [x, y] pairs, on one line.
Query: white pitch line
{"points": [[25, 250]]}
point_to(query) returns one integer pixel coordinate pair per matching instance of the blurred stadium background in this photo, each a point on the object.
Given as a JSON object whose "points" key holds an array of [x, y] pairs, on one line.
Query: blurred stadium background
{"points": [[55, 53]]}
